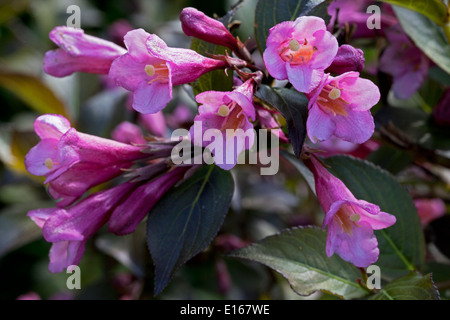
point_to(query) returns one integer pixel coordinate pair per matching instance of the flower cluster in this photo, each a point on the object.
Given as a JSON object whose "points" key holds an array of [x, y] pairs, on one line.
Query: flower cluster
{"points": [[306, 54], [72, 163], [138, 170]]}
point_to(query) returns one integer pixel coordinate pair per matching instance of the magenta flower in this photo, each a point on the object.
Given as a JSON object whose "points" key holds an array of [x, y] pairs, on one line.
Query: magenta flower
{"points": [[340, 106], [79, 52], [350, 222], [405, 62], [227, 114], [73, 162], [154, 123], [300, 51], [353, 14], [130, 212], [69, 229], [129, 133], [181, 116], [196, 24], [347, 59], [151, 68]]}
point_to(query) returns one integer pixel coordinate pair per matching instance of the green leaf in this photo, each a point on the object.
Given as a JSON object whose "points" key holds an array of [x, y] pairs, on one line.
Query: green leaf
{"points": [[271, 12], [427, 35], [410, 287], [436, 10], [293, 106], [33, 92], [216, 80], [186, 219], [392, 159], [402, 246], [299, 255]]}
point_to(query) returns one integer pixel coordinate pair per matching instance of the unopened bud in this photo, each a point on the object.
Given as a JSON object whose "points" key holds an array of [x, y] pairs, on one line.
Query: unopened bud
{"points": [[196, 24], [347, 59]]}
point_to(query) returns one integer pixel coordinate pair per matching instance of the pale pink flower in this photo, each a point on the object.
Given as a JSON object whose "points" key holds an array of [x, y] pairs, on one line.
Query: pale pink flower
{"points": [[79, 52], [340, 107], [300, 51], [350, 222], [228, 113], [151, 68]]}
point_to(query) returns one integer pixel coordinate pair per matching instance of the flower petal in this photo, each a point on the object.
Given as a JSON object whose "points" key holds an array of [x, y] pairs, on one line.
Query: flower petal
{"points": [[153, 97], [319, 125]]}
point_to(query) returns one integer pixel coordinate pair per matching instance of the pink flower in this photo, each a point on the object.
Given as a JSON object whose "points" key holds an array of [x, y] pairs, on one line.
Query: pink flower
{"points": [[195, 23], [154, 123], [340, 106], [129, 133], [227, 114], [79, 52], [150, 69], [69, 229], [300, 51], [267, 121], [181, 116], [73, 162], [130, 212], [350, 221], [405, 62], [429, 209]]}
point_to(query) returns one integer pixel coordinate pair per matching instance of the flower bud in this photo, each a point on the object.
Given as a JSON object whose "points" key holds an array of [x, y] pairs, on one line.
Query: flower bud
{"points": [[195, 23], [347, 59]]}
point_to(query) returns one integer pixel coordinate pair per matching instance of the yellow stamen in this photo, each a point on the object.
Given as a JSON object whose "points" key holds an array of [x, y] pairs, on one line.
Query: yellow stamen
{"points": [[334, 94], [331, 101], [355, 217], [150, 70], [223, 111], [294, 45], [49, 163]]}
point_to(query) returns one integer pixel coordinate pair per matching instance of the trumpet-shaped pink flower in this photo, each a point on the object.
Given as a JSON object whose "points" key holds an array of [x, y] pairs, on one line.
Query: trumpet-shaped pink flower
{"points": [[195, 23], [340, 106], [69, 229], [228, 113], [300, 51], [350, 222], [128, 214], [73, 162], [79, 52], [405, 62], [151, 68]]}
